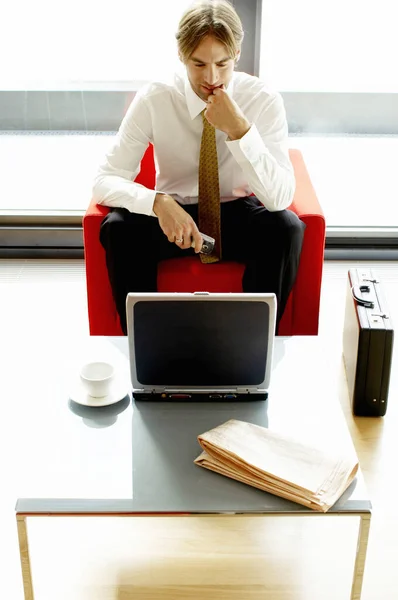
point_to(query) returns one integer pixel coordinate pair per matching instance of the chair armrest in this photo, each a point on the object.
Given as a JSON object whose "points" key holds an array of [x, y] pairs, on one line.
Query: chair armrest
{"points": [[101, 307], [96, 210], [307, 288]]}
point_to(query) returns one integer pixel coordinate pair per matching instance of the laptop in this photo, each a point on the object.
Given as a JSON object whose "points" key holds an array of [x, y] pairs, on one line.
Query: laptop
{"points": [[200, 346]]}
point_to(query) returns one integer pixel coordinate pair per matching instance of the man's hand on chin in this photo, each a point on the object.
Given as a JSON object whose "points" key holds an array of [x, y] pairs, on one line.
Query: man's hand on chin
{"points": [[224, 114]]}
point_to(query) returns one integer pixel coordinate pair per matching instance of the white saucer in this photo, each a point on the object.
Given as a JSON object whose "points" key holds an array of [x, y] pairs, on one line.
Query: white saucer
{"points": [[119, 390]]}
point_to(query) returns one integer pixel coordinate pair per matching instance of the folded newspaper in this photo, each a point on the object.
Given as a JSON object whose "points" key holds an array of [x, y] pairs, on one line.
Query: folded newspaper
{"points": [[277, 464]]}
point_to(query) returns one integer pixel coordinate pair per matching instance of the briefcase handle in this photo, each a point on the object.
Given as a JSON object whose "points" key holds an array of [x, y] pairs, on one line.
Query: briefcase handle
{"points": [[356, 292]]}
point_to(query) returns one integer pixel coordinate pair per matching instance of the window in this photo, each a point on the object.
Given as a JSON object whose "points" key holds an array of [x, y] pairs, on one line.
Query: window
{"points": [[343, 46], [72, 67], [84, 44], [335, 66]]}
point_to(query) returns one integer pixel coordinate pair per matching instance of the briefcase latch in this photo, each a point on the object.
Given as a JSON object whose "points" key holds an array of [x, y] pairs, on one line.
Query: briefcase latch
{"points": [[372, 280]]}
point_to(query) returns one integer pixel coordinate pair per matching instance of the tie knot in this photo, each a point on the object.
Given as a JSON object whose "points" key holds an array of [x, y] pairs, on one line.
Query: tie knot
{"points": [[206, 124]]}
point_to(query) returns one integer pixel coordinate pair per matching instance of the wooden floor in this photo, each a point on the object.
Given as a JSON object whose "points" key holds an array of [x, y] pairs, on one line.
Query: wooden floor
{"points": [[196, 558]]}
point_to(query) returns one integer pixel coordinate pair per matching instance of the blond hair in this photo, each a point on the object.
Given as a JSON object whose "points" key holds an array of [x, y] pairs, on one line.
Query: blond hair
{"points": [[217, 18]]}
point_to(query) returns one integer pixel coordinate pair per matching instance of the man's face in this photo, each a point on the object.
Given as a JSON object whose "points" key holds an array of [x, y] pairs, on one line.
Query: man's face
{"points": [[209, 67]]}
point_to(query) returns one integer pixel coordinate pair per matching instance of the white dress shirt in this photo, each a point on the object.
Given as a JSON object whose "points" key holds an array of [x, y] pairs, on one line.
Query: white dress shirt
{"points": [[168, 116]]}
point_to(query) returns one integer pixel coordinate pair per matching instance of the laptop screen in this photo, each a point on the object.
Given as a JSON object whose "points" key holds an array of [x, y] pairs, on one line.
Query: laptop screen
{"points": [[201, 343]]}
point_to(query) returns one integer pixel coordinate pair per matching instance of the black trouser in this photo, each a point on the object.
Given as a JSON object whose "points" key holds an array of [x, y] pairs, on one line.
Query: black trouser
{"points": [[269, 243]]}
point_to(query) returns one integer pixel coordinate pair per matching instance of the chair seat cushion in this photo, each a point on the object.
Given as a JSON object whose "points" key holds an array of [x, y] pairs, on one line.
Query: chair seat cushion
{"points": [[189, 274]]}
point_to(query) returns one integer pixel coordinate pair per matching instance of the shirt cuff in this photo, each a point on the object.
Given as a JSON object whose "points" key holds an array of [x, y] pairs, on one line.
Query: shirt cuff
{"points": [[248, 148], [143, 201]]}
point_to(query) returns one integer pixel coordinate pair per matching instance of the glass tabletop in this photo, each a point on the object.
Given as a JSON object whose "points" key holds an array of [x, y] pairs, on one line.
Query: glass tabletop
{"points": [[137, 457]]}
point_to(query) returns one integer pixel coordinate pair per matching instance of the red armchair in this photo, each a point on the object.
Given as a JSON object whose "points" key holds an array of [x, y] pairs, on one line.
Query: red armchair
{"points": [[189, 274]]}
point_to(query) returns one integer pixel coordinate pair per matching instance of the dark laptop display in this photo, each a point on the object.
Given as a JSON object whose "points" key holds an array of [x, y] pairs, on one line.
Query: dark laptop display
{"points": [[200, 343]]}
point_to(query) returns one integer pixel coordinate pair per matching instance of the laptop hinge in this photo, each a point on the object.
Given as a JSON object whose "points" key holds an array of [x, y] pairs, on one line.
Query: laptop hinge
{"points": [[150, 390], [249, 390]]}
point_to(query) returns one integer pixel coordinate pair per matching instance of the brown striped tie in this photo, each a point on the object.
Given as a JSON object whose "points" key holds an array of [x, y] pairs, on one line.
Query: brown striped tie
{"points": [[209, 191]]}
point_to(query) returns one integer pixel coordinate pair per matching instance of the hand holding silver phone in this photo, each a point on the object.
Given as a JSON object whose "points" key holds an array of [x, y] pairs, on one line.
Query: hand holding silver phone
{"points": [[207, 244]]}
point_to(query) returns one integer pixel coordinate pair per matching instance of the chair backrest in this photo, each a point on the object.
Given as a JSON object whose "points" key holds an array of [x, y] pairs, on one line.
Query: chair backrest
{"points": [[147, 174]]}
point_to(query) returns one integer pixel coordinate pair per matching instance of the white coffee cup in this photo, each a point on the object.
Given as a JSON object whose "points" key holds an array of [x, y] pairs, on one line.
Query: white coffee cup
{"points": [[97, 378]]}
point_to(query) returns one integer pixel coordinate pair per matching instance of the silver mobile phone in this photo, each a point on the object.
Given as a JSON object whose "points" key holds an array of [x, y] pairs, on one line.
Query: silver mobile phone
{"points": [[207, 244]]}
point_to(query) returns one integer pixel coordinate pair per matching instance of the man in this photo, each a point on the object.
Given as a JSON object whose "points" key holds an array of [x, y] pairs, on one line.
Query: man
{"points": [[223, 169]]}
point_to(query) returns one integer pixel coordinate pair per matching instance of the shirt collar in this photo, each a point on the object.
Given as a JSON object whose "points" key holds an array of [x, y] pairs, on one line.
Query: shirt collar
{"points": [[195, 104]]}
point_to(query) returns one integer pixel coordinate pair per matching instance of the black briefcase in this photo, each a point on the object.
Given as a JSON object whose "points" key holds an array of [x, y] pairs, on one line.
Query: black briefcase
{"points": [[367, 344]]}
